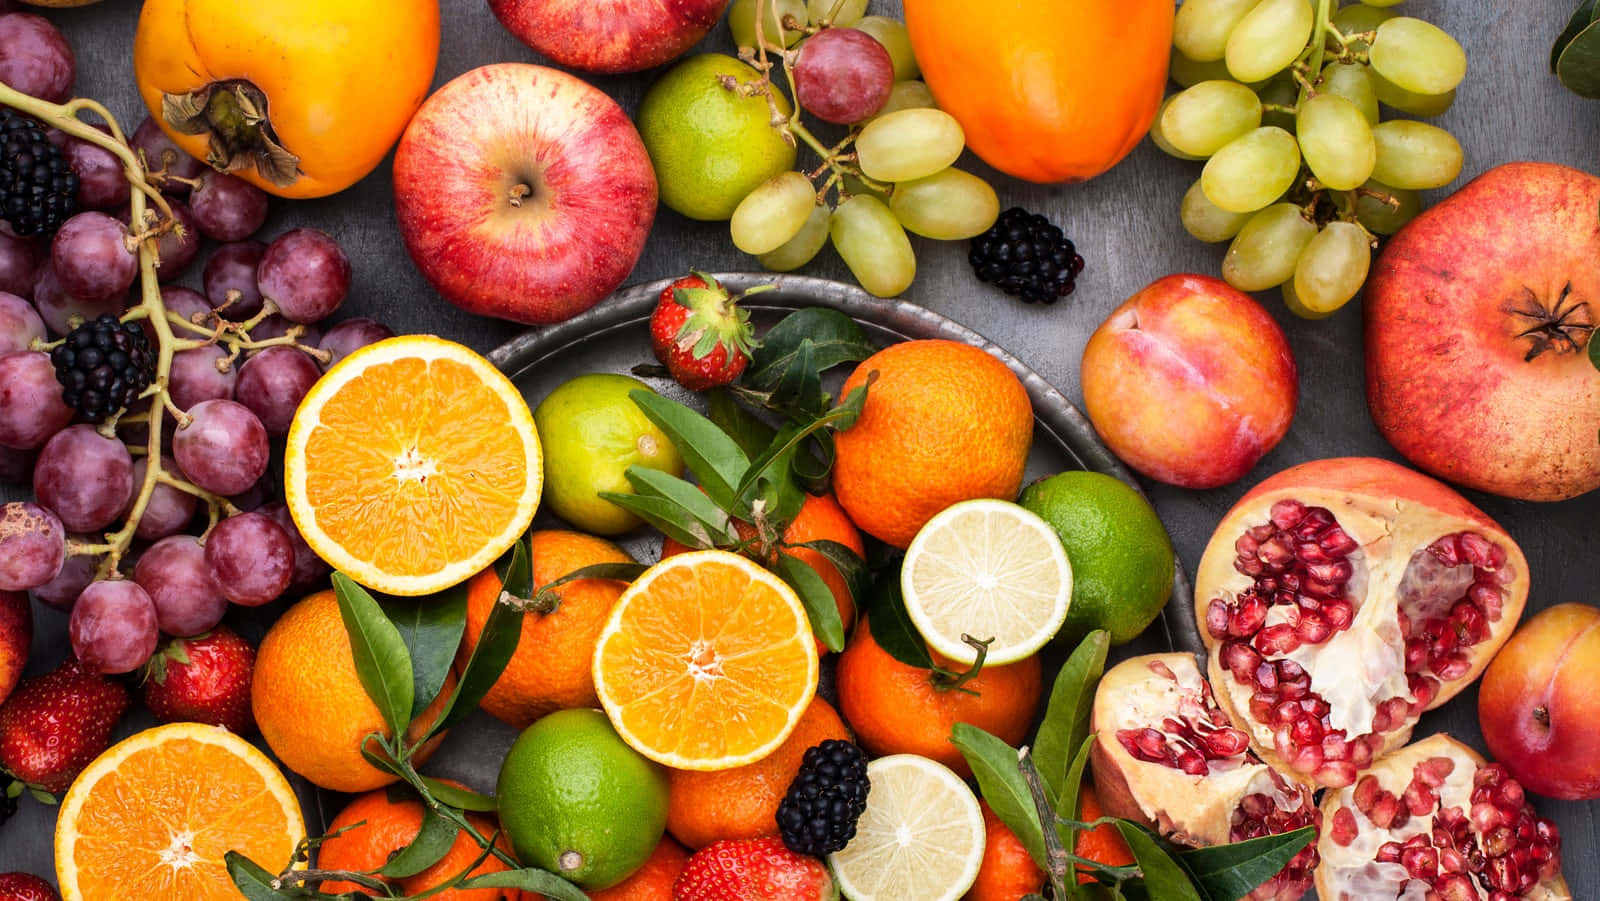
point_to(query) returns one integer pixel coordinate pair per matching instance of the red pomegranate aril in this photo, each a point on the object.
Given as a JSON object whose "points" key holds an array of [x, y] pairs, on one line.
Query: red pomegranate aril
{"points": [[1485, 816], [1315, 706], [1261, 705], [1262, 532], [1423, 688], [1305, 731], [1366, 793], [1419, 798], [1279, 639], [1307, 759], [1339, 614], [1286, 514], [1388, 852], [1250, 616], [1312, 554], [1361, 752], [1476, 550], [1226, 743], [1266, 676], [1192, 762], [1421, 863], [1344, 829], [1510, 795], [1497, 841], [1275, 553], [1486, 596], [1337, 542], [1335, 748], [1316, 521], [1446, 551], [1285, 713], [1416, 654], [1451, 861], [1334, 572], [1336, 772], [1433, 772], [1453, 668], [1240, 659], [1217, 618], [1312, 629], [1385, 811], [1455, 887]]}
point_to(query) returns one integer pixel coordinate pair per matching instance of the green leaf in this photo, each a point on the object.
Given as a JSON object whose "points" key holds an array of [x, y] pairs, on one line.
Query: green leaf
{"points": [[799, 393], [382, 662], [381, 761], [716, 460], [1000, 782], [653, 482], [529, 880], [817, 597], [745, 428], [851, 566], [849, 409], [891, 625], [616, 572], [666, 517], [1580, 20], [834, 336], [1229, 872], [496, 644], [1066, 716], [788, 440], [1594, 351], [1067, 797], [431, 629], [459, 798], [1579, 63], [1163, 877], [254, 882], [432, 843]]}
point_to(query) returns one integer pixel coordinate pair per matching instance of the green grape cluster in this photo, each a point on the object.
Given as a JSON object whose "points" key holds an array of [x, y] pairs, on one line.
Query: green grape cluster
{"points": [[1282, 100], [891, 173]]}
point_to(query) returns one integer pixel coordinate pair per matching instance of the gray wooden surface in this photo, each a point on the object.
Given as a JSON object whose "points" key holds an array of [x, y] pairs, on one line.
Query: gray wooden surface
{"points": [[1125, 225]]}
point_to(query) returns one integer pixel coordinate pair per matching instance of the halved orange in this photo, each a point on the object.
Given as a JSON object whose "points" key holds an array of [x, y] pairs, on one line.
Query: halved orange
{"points": [[706, 663], [153, 816], [412, 464]]}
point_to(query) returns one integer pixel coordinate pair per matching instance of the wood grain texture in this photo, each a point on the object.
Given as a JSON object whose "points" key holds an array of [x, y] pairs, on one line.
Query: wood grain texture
{"points": [[1125, 225]]}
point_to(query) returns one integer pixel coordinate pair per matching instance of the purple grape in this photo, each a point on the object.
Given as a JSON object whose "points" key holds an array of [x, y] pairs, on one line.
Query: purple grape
{"points": [[188, 304], [31, 409], [230, 279], [306, 274], [168, 509], [162, 157], [19, 264], [251, 557], [33, 545], [85, 477], [309, 569], [20, 324], [252, 498], [276, 326], [351, 335], [61, 311], [226, 207], [843, 75], [224, 448], [102, 185], [91, 256], [188, 599], [176, 253], [113, 626], [35, 58], [76, 574], [195, 377], [16, 466], [273, 382]]}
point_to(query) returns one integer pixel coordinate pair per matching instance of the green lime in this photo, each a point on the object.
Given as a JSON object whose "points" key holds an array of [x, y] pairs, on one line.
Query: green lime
{"points": [[1122, 559], [577, 801], [710, 144], [591, 432]]}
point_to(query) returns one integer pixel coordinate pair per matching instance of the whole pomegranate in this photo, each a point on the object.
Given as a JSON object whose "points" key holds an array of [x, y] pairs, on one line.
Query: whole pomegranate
{"points": [[1166, 755], [1435, 821], [1478, 315], [1339, 599]]}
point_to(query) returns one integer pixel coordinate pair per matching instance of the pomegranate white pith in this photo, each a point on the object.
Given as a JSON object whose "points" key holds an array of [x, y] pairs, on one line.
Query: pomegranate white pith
{"points": [[1434, 822], [1342, 598], [1165, 755]]}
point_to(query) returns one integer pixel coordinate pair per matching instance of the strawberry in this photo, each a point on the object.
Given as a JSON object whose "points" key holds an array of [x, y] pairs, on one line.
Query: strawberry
{"points": [[204, 679], [753, 869], [700, 333], [53, 725], [25, 887]]}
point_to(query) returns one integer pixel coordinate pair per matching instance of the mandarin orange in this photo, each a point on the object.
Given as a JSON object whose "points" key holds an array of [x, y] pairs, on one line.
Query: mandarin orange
{"points": [[1104, 844], [653, 881], [1008, 873]]}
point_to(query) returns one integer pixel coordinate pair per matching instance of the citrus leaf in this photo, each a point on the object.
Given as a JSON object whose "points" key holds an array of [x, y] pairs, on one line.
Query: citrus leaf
{"points": [[799, 393], [821, 607], [1232, 871], [1585, 13], [1066, 717], [616, 572], [1067, 797], [850, 407], [254, 882], [529, 880], [788, 439], [1579, 64], [434, 840], [852, 568], [745, 428], [431, 629], [653, 482], [1163, 877], [459, 798], [835, 338], [382, 662], [380, 761], [496, 643], [1000, 781], [716, 460], [891, 625], [666, 517]]}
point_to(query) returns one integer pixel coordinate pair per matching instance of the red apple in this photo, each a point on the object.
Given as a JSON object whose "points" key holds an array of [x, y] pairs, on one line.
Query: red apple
{"points": [[1539, 705], [523, 193], [1190, 382], [609, 36], [16, 638]]}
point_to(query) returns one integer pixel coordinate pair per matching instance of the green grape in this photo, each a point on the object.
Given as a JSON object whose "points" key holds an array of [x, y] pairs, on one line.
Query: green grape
{"points": [[840, 13], [909, 144], [804, 246], [1381, 2], [1189, 73], [1336, 141], [771, 214], [1265, 251], [1353, 82], [1200, 120], [873, 245], [947, 206], [1332, 268], [1279, 90], [1292, 301], [1413, 104], [1200, 31], [892, 34], [1415, 155], [742, 21], [1252, 171], [1418, 56], [1207, 221], [1269, 38], [906, 95], [1381, 217], [1360, 18], [1160, 138]]}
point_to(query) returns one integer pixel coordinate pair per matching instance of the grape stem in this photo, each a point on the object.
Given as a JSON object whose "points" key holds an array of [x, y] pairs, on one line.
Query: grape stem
{"points": [[1318, 40]]}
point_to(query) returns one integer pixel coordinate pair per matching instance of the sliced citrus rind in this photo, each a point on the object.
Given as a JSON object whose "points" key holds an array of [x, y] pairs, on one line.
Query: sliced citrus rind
{"points": [[989, 569], [921, 835], [412, 464], [706, 662], [153, 815]]}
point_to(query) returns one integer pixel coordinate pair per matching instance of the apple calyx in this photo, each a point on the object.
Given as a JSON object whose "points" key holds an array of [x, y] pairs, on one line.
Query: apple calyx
{"points": [[233, 115], [715, 319], [1564, 328]]}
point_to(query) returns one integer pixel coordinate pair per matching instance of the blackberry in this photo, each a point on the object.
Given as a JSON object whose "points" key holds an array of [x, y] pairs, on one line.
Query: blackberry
{"points": [[38, 190], [103, 365], [818, 813], [1026, 256]]}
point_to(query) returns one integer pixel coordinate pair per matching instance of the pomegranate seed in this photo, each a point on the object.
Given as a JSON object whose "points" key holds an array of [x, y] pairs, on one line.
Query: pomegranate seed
{"points": [[1291, 671], [1316, 521], [1443, 640], [1261, 704], [1456, 887], [1192, 762], [1290, 607], [1288, 581], [1266, 676], [1275, 553], [1245, 546], [1249, 616], [1337, 542], [1502, 873], [1312, 554], [1249, 566], [1227, 743], [1497, 841], [1338, 613], [1305, 731], [1476, 550], [1444, 550], [1382, 719], [1217, 618], [1451, 861], [1366, 792], [1315, 706], [1287, 513], [1241, 660], [1336, 773], [1344, 829], [1453, 668], [1485, 816], [1424, 689], [1421, 863], [1385, 810], [1293, 689], [1279, 639], [1320, 590], [1388, 852], [1548, 834], [1162, 670], [1416, 654], [1256, 805], [1334, 747], [1433, 771], [1361, 753], [1262, 532], [1312, 629], [1497, 557], [1307, 759], [1285, 713], [1485, 596], [1419, 798]]}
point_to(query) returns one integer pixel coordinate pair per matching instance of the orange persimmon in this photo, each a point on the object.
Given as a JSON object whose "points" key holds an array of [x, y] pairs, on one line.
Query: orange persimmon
{"points": [[300, 97], [1050, 90]]}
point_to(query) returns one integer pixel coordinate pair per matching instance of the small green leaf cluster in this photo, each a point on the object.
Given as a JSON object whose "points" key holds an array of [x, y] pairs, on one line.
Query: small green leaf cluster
{"points": [[1575, 58]]}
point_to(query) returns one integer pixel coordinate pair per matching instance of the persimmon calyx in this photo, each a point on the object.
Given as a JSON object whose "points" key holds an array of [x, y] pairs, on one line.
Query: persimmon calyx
{"points": [[233, 116]]}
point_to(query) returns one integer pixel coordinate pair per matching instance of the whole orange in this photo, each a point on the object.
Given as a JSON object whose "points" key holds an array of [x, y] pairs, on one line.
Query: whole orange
{"points": [[708, 806], [310, 704], [895, 708], [385, 827], [820, 518], [551, 668], [1104, 844], [1007, 872], [944, 422], [653, 881]]}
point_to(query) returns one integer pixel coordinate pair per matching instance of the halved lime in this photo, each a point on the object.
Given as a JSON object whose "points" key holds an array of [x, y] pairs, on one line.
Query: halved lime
{"points": [[921, 835]]}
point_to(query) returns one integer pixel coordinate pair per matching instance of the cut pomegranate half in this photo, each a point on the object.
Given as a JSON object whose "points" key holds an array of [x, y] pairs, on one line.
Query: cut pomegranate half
{"points": [[1340, 599]]}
